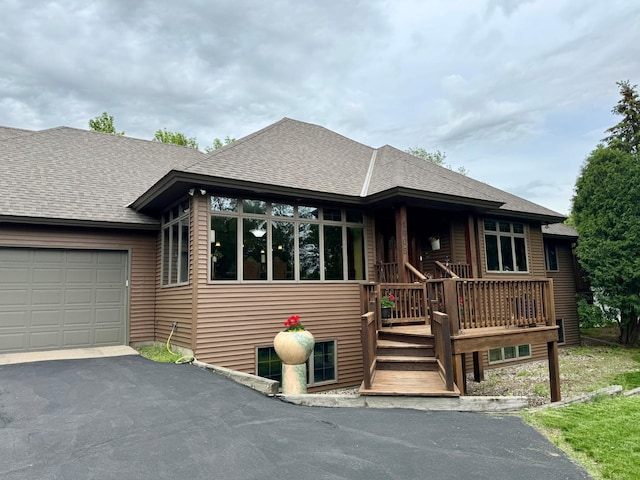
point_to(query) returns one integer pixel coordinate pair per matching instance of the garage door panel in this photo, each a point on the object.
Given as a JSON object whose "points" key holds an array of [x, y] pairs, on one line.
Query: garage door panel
{"points": [[44, 340], [45, 318], [14, 275], [47, 276], [79, 275], [78, 338], [12, 319], [108, 296], [61, 298], [108, 316], [78, 296], [45, 255], [18, 297], [13, 342], [46, 297], [107, 336]]}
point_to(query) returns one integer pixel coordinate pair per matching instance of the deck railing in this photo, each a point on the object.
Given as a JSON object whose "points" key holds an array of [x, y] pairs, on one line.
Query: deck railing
{"points": [[387, 272], [442, 345], [368, 335], [480, 303], [410, 300], [454, 270]]}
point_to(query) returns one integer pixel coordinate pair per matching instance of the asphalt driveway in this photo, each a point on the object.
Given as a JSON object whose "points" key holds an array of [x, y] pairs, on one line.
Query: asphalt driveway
{"points": [[130, 418]]}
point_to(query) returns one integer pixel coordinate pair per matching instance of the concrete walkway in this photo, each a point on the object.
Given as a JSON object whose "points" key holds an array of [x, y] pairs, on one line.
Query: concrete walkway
{"points": [[69, 354]]}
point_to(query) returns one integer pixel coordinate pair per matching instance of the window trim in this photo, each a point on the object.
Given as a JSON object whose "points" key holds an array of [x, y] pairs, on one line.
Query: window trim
{"points": [[182, 219], [561, 332], [508, 360], [297, 219], [512, 235]]}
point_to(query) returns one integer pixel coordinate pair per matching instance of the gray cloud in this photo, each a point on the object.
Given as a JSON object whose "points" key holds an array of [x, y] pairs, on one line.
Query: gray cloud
{"points": [[491, 82]]}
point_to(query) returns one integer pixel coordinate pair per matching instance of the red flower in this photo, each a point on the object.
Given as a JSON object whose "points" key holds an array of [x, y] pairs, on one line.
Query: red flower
{"points": [[392, 297], [293, 324]]}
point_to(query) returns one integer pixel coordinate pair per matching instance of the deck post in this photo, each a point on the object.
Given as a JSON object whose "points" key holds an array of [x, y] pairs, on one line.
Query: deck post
{"points": [[451, 304], [402, 240], [478, 367], [459, 373], [554, 370]]}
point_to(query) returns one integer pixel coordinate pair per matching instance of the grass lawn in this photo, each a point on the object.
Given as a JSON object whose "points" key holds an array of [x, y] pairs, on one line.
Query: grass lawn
{"points": [[603, 435], [159, 353]]}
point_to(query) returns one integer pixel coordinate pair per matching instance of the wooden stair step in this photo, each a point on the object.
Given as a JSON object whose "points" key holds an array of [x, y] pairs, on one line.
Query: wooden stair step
{"points": [[409, 383], [405, 358], [406, 363]]}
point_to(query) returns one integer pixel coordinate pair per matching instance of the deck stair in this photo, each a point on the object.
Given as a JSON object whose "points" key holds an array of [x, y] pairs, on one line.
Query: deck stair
{"points": [[406, 364]]}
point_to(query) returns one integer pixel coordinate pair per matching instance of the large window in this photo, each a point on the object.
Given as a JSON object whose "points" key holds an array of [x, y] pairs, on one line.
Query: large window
{"points": [[321, 366], [509, 354], [257, 240], [175, 245], [505, 245]]}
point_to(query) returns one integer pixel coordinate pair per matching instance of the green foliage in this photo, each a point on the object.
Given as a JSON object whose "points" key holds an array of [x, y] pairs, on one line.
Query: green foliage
{"points": [[606, 211], [628, 381], [176, 138], [104, 123], [437, 157], [218, 144], [606, 432], [158, 353], [592, 316], [625, 135]]}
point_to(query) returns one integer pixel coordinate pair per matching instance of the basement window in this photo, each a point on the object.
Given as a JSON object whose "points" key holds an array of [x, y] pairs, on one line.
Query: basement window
{"points": [[509, 354], [322, 367]]}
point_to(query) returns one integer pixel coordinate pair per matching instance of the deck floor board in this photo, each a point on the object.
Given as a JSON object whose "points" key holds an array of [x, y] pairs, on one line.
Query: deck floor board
{"points": [[408, 383]]}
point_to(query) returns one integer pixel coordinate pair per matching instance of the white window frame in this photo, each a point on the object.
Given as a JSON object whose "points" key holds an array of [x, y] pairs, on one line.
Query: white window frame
{"points": [[507, 360], [310, 365], [176, 217], [269, 218], [548, 247], [512, 235]]}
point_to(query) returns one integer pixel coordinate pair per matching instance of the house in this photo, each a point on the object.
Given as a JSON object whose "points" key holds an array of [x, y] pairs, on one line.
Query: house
{"points": [[112, 240]]}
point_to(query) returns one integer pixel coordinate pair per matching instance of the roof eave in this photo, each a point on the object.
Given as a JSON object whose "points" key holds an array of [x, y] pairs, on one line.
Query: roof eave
{"points": [[71, 222]]}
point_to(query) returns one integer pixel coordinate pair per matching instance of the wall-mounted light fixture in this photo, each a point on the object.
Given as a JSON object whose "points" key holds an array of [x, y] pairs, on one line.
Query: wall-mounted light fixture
{"points": [[191, 192]]}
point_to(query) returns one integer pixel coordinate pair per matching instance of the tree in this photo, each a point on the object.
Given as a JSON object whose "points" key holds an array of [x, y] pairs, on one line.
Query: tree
{"points": [[176, 138], [104, 124], [626, 134], [218, 144], [437, 157], [606, 212]]}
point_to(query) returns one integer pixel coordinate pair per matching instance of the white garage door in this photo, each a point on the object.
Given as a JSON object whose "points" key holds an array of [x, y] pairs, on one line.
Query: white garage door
{"points": [[52, 299]]}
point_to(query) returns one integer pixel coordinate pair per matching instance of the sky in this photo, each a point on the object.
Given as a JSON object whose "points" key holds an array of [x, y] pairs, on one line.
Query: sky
{"points": [[519, 92]]}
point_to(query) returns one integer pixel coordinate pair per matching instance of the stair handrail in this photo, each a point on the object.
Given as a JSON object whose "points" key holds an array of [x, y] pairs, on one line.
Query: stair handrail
{"points": [[448, 272], [416, 273], [442, 343], [368, 335]]}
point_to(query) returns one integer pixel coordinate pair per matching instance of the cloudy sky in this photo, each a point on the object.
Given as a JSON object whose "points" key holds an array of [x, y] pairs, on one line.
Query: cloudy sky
{"points": [[517, 91]]}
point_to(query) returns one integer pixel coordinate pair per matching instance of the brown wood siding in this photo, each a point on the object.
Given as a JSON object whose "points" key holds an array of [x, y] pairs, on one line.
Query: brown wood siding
{"points": [[142, 265], [564, 290], [235, 319], [175, 304]]}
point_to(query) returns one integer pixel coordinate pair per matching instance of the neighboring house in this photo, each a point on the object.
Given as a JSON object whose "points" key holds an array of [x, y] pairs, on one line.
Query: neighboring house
{"points": [[110, 240]]}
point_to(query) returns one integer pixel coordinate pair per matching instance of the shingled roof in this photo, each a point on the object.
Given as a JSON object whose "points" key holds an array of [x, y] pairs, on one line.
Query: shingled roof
{"points": [[69, 176], [296, 155]]}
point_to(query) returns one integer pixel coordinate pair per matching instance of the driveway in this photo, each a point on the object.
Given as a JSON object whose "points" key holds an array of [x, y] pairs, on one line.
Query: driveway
{"points": [[130, 418]]}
